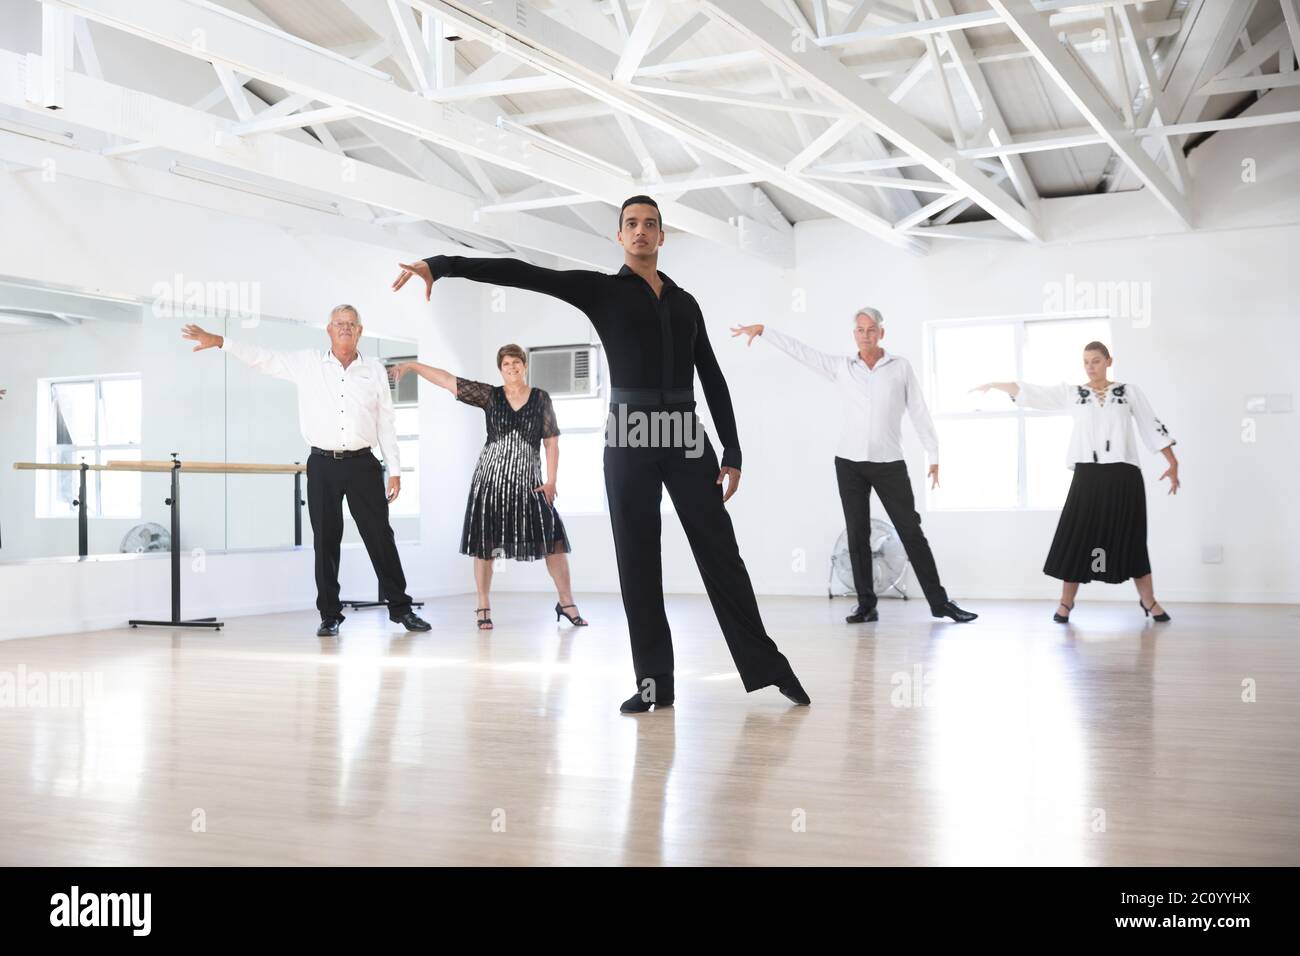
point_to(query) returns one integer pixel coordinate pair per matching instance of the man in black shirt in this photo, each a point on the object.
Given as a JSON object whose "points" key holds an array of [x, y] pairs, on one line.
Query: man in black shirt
{"points": [[654, 336]]}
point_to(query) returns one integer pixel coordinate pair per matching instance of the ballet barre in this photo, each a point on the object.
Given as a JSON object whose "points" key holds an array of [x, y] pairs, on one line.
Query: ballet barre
{"points": [[175, 467]]}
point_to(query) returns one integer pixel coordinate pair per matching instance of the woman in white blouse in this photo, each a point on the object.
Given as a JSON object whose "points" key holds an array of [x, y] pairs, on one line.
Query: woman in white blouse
{"points": [[1102, 533]]}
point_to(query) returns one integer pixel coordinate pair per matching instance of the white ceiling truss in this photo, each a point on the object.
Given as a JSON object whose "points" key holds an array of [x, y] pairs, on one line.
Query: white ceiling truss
{"points": [[739, 116]]}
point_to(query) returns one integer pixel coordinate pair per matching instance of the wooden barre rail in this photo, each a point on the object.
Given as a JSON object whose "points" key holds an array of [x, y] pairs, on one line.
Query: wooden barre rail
{"points": [[202, 467]]}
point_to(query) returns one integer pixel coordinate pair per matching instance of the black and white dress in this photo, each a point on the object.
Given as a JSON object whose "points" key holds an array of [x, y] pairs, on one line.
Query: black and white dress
{"points": [[505, 517], [1102, 532]]}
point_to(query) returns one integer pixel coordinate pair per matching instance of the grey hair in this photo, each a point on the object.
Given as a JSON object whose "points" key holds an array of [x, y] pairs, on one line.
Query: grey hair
{"points": [[873, 314], [345, 308]]}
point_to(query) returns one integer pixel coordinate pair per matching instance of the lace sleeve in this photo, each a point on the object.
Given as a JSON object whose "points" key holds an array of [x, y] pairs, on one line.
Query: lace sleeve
{"points": [[550, 425], [473, 393]]}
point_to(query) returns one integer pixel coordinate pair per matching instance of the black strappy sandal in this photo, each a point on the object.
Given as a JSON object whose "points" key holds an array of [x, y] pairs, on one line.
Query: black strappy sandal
{"points": [[1062, 620], [483, 620], [576, 620], [1146, 611]]}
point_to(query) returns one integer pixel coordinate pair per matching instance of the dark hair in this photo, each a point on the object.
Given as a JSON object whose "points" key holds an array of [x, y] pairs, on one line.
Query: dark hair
{"points": [[1097, 347], [511, 350], [638, 201]]}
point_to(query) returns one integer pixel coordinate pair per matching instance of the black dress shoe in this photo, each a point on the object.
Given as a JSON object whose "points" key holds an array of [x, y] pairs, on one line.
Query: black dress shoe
{"points": [[636, 704], [794, 690], [413, 622], [328, 628], [953, 611], [859, 616]]}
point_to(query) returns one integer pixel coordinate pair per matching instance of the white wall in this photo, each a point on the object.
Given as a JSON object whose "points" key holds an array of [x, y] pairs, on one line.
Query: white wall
{"points": [[1224, 325], [110, 241]]}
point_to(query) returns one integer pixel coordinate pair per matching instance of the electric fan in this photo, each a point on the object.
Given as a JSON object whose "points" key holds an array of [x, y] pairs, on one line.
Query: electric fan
{"points": [[148, 537], [888, 562]]}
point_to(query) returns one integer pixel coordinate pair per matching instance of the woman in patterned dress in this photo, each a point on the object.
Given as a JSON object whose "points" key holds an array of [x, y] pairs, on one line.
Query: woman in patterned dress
{"points": [[511, 511]]}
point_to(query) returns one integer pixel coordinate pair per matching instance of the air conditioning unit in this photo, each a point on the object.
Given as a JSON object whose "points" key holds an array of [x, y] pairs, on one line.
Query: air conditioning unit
{"points": [[566, 371]]}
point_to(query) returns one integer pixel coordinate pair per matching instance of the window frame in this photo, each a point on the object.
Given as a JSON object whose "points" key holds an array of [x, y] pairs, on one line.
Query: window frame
{"points": [[50, 447], [1021, 415]]}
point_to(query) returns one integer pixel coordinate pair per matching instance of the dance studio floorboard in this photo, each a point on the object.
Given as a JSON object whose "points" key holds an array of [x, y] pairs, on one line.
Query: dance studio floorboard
{"points": [[1009, 741]]}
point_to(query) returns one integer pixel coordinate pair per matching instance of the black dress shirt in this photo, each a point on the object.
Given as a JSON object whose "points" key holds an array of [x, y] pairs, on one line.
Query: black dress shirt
{"points": [[651, 342]]}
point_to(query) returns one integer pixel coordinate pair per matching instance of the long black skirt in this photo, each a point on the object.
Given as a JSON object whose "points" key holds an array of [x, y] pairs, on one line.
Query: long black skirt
{"points": [[1102, 534]]}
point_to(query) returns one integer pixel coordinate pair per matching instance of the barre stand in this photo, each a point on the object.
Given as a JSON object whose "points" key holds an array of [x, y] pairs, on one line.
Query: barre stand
{"points": [[175, 466]]}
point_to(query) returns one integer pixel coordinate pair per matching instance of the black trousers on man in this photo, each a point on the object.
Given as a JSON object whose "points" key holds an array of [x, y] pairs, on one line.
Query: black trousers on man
{"points": [[360, 480], [634, 483], [890, 480]]}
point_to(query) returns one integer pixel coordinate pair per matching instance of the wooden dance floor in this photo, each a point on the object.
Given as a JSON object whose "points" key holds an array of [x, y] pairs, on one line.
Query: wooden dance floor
{"points": [[1009, 741]]}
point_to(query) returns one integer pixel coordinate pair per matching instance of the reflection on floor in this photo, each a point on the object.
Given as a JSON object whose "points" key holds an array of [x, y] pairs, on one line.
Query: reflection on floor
{"points": [[1009, 741]]}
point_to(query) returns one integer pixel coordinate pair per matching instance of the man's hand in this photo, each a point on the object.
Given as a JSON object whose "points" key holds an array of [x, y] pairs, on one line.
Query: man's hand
{"points": [[549, 491], [734, 475], [750, 330], [934, 475], [417, 268], [394, 488], [205, 339]]}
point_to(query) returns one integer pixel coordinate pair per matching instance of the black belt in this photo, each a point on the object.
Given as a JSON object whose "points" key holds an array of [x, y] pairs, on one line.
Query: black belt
{"points": [[651, 396], [340, 454]]}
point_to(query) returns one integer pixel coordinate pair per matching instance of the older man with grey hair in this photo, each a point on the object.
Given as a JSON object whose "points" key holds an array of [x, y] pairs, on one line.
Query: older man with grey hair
{"points": [[345, 410], [873, 389]]}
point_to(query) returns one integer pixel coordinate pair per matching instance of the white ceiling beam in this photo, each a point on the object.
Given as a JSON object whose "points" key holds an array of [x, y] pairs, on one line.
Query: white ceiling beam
{"points": [[140, 117], [977, 86], [278, 124], [833, 134], [412, 43], [853, 19], [925, 212], [966, 21], [715, 95], [639, 41], [936, 66], [1121, 72], [1034, 31], [1291, 16], [57, 46], [1161, 112], [234, 90], [86, 48], [822, 71], [551, 47], [1265, 81], [670, 44], [297, 66]]}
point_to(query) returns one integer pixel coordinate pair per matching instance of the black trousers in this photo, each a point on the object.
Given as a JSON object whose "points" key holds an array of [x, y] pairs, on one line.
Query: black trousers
{"points": [[361, 481], [889, 478], [634, 483]]}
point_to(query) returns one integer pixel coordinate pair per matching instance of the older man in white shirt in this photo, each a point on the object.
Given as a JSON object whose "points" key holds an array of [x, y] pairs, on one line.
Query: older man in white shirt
{"points": [[345, 409], [873, 389]]}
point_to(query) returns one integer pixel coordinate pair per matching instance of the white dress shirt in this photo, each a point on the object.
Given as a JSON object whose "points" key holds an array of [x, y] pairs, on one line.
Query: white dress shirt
{"points": [[871, 400], [1103, 431], [339, 409]]}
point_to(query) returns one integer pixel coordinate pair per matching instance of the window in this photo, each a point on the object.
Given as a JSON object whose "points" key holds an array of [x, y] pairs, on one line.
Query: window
{"points": [[995, 455], [407, 423], [93, 420], [582, 440]]}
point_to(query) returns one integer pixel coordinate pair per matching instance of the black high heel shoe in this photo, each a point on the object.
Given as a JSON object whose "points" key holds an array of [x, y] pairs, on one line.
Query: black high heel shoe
{"points": [[484, 623], [1146, 611], [576, 620], [1058, 618]]}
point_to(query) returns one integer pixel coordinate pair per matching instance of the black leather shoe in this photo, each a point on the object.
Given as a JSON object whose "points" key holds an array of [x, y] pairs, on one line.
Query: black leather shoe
{"points": [[794, 690], [413, 622], [328, 628], [953, 611], [860, 616], [636, 704]]}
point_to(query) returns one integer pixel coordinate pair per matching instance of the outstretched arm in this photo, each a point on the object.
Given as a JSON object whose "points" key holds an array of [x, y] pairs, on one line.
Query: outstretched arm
{"points": [[279, 364], [578, 287], [1026, 395], [440, 377], [820, 362]]}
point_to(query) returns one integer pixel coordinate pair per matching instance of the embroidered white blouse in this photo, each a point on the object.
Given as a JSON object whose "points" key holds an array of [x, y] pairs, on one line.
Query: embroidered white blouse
{"points": [[1103, 429]]}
